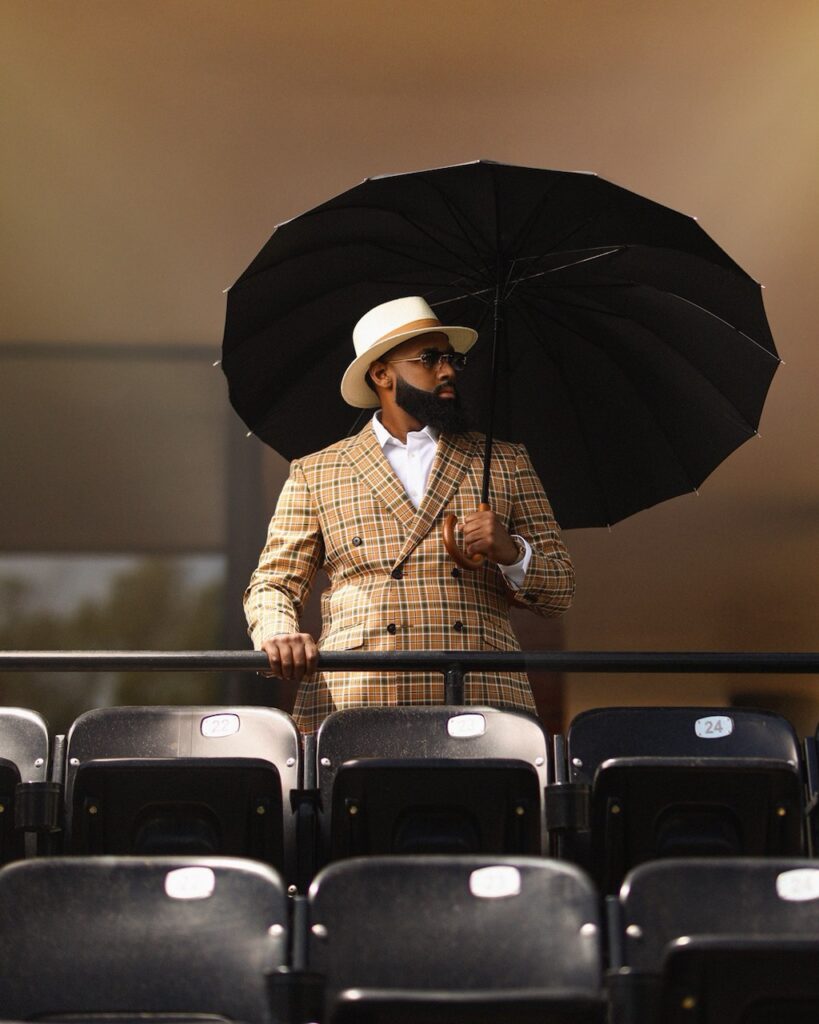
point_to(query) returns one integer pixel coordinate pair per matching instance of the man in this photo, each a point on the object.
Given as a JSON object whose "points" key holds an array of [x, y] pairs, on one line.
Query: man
{"points": [[369, 510]]}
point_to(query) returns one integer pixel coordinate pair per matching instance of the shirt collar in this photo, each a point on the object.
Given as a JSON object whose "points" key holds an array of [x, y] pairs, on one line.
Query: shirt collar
{"points": [[385, 437]]}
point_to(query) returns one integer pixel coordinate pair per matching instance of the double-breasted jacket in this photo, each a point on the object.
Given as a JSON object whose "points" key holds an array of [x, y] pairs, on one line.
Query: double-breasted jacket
{"points": [[392, 585]]}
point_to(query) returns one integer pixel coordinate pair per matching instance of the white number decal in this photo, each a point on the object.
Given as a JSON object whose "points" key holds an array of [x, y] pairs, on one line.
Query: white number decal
{"points": [[220, 725], [714, 727], [798, 885], [495, 882], [465, 726], [190, 883]]}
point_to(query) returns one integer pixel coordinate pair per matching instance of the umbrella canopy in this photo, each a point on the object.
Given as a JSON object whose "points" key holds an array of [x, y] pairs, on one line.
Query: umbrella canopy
{"points": [[634, 354]]}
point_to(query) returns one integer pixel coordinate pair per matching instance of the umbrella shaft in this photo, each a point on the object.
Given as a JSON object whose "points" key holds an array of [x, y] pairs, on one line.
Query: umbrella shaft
{"points": [[497, 322]]}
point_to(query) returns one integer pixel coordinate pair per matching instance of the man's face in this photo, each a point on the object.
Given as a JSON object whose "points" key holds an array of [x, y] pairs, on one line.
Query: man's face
{"points": [[424, 386]]}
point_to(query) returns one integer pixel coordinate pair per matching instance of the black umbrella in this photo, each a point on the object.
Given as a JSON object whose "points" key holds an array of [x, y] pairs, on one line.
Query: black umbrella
{"points": [[618, 341]]}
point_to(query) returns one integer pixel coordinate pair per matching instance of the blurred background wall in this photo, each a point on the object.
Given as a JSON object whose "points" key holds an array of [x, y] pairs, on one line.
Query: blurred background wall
{"points": [[148, 150]]}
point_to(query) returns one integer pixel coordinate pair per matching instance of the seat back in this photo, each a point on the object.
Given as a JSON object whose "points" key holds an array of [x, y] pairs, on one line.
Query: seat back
{"points": [[436, 928], [736, 939], [811, 765], [183, 780], [127, 936], [23, 758], [669, 782], [419, 779]]}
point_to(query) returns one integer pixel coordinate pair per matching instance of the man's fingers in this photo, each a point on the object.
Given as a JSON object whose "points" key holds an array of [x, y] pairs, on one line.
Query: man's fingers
{"points": [[286, 659], [485, 534], [271, 649], [311, 654], [297, 662], [291, 657]]}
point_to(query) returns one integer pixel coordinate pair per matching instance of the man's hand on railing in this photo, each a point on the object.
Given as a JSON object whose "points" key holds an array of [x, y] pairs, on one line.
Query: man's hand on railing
{"points": [[292, 656]]}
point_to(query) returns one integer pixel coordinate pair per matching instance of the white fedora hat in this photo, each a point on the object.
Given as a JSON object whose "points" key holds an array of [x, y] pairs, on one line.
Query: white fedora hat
{"points": [[383, 328]]}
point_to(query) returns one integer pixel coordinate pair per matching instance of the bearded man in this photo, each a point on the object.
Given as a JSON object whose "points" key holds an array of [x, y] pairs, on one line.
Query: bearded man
{"points": [[370, 509]]}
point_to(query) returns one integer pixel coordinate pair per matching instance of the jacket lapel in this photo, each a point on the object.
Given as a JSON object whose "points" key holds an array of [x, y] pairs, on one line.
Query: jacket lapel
{"points": [[449, 467], [372, 467]]}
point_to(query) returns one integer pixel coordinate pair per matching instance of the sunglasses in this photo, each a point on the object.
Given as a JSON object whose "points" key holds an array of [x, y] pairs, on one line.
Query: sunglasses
{"points": [[431, 359]]}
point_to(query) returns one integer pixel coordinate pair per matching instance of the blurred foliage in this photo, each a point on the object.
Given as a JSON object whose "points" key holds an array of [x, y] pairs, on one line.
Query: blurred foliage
{"points": [[148, 607]]}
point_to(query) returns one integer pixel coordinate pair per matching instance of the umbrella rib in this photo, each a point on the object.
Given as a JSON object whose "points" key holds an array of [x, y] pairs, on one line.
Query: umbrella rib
{"points": [[578, 227], [608, 312], [379, 247], [428, 234], [673, 295], [639, 284], [463, 222], [562, 266], [526, 228], [716, 316], [638, 396], [478, 295], [489, 292], [358, 422], [475, 272], [526, 317]]}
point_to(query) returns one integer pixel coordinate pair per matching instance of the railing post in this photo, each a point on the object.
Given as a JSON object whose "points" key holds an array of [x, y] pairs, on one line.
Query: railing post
{"points": [[454, 684]]}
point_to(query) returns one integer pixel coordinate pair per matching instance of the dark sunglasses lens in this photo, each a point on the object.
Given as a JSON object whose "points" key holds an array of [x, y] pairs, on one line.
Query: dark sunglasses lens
{"points": [[431, 359]]}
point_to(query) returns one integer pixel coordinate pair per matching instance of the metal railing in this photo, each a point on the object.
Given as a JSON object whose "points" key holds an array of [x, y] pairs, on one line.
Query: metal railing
{"points": [[453, 665]]}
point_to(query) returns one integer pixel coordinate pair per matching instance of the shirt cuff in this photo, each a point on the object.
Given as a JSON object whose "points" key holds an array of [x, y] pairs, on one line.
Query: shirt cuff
{"points": [[515, 573]]}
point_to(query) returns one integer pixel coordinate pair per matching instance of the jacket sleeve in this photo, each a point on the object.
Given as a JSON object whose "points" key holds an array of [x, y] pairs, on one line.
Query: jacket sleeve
{"points": [[549, 583], [294, 550]]}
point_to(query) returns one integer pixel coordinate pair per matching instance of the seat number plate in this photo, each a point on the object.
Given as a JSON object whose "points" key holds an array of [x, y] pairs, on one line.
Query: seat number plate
{"points": [[220, 725], [714, 727], [798, 885]]}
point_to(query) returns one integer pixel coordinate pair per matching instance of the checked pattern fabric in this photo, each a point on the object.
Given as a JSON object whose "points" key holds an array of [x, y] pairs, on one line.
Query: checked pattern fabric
{"points": [[392, 585]]}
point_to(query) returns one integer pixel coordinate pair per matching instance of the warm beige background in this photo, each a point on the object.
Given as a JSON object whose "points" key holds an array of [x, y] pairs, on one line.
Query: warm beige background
{"points": [[149, 146]]}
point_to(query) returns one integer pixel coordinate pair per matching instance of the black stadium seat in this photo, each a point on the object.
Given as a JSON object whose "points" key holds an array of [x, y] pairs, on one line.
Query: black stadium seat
{"points": [[410, 780], [683, 782], [811, 749], [122, 938], [445, 940], [23, 759], [718, 941], [183, 781]]}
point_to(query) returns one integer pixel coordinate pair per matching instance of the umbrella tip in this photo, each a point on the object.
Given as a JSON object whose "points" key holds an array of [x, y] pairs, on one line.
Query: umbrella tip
{"points": [[218, 361], [249, 433]]}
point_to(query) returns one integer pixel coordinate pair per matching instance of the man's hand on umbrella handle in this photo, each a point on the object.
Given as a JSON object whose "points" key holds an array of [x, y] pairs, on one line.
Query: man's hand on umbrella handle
{"points": [[292, 656], [484, 537]]}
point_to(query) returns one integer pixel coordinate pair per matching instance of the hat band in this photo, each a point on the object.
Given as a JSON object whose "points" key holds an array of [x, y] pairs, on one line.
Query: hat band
{"points": [[414, 325]]}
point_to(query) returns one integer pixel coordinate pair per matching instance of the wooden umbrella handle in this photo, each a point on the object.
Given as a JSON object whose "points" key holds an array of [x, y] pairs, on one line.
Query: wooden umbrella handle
{"points": [[455, 553]]}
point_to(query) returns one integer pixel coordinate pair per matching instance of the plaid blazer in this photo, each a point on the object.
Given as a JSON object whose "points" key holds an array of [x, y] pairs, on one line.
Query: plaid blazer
{"points": [[343, 508]]}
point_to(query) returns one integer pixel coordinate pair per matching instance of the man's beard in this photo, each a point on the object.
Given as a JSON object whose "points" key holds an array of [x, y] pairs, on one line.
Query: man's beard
{"points": [[446, 415]]}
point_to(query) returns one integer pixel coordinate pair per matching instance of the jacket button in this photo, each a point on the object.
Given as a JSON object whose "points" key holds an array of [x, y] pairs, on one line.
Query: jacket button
{"points": [[456, 573], [357, 542], [392, 628], [458, 626], [397, 574]]}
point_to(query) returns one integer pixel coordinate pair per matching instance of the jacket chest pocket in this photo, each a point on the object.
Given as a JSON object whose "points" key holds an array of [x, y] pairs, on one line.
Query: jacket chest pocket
{"points": [[496, 639], [347, 639]]}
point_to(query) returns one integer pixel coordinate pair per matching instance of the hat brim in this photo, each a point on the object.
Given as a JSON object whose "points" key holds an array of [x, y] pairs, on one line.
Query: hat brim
{"points": [[354, 388]]}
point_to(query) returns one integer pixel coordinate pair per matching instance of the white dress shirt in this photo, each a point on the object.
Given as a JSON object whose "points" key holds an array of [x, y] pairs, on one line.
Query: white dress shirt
{"points": [[411, 463]]}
